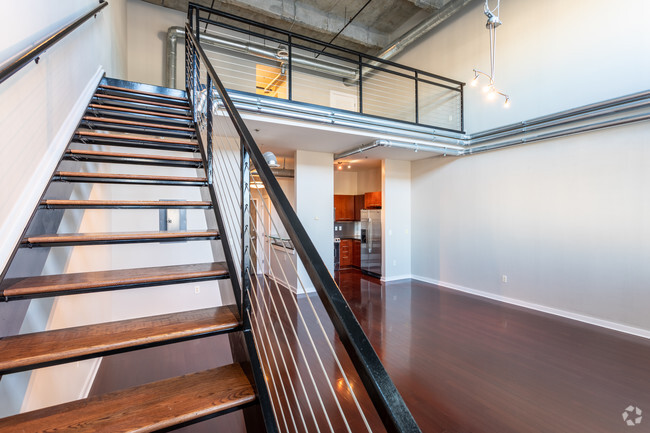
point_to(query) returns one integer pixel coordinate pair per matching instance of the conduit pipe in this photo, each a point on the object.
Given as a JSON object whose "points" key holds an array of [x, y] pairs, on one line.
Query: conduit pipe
{"points": [[413, 35], [497, 138], [175, 33]]}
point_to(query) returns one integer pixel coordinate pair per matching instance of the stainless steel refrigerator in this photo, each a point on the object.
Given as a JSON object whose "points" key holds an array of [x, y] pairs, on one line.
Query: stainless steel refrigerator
{"points": [[371, 241]]}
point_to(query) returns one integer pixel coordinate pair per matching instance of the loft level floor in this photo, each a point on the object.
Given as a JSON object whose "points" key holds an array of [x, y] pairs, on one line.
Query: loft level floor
{"points": [[467, 364]]}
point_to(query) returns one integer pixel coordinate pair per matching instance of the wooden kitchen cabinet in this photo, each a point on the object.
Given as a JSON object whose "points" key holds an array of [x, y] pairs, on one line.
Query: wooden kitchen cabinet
{"points": [[359, 203], [345, 255], [356, 253], [373, 200], [343, 207]]}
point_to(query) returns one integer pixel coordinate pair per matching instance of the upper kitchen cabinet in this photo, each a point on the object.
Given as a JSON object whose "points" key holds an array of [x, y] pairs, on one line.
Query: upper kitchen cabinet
{"points": [[372, 200], [359, 203], [343, 207]]}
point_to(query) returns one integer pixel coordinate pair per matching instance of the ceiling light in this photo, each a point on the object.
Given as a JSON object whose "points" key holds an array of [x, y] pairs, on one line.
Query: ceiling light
{"points": [[492, 23], [349, 166], [271, 160]]}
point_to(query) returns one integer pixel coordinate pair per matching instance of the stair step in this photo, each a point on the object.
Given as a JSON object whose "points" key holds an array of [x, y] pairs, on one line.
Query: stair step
{"points": [[69, 239], [94, 122], [146, 408], [142, 92], [42, 349], [132, 158], [133, 140], [123, 204], [136, 111], [84, 282], [139, 179], [113, 99]]}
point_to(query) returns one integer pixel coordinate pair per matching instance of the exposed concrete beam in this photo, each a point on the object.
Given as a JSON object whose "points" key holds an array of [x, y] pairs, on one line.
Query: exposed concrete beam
{"points": [[430, 5]]}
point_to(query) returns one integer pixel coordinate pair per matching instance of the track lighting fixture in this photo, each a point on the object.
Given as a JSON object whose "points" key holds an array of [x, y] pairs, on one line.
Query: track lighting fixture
{"points": [[492, 23]]}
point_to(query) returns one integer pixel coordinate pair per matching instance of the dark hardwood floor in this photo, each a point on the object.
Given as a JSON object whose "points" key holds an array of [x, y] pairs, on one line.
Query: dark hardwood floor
{"points": [[469, 364]]}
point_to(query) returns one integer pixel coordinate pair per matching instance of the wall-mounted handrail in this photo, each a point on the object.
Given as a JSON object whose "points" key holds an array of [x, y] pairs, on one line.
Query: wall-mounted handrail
{"points": [[23, 58], [380, 388]]}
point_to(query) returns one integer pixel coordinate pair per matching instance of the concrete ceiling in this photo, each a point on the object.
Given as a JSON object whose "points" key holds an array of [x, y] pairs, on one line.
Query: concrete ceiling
{"points": [[380, 22]]}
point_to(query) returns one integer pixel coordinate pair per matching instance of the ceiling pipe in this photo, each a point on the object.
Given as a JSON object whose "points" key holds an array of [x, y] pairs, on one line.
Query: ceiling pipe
{"points": [[413, 35], [499, 138], [276, 54]]}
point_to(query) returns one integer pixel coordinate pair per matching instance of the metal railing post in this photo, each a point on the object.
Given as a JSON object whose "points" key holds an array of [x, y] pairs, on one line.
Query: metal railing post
{"points": [[360, 84], [290, 71], [246, 227], [197, 29], [208, 120], [417, 109]]}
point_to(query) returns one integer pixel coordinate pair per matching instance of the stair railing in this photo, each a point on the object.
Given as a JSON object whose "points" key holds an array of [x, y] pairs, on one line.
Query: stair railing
{"points": [[22, 59], [306, 379]]}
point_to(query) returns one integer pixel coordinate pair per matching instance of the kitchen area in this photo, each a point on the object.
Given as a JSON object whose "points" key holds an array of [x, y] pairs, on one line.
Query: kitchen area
{"points": [[357, 218]]}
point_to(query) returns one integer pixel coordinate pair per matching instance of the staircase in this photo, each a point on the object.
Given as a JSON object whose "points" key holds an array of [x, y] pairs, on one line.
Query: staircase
{"points": [[123, 115]]}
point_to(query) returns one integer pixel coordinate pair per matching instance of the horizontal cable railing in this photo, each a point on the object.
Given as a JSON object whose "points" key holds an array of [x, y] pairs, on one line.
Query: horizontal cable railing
{"points": [[320, 373], [22, 59], [271, 62]]}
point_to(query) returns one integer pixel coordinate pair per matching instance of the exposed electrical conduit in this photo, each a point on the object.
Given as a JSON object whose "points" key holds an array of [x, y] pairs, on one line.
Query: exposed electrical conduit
{"points": [[494, 139], [176, 33]]}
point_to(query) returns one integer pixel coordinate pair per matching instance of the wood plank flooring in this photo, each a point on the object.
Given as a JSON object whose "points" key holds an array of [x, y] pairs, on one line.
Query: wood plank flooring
{"points": [[468, 364]]}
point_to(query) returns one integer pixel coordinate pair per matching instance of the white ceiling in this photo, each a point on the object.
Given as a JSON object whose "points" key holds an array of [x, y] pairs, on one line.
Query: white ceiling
{"points": [[284, 136]]}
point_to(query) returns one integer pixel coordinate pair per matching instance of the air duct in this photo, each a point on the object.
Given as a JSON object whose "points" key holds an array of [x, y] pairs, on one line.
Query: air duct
{"points": [[280, 55]]}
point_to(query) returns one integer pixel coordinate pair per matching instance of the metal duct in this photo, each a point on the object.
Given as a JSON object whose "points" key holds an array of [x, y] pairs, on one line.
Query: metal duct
{"points": [[299, 60], [498, 138]]}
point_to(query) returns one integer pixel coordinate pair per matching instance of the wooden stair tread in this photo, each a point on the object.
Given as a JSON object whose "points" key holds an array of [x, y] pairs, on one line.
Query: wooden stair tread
{"points": [[142, 101], [130, 176], [20, 352], [134, 123], [98, 279], [136, 111], [133, 203], [132, 155], [121, 277], [28, 286], [144, 408], [116, 236], [84, 133], [141, 92]]}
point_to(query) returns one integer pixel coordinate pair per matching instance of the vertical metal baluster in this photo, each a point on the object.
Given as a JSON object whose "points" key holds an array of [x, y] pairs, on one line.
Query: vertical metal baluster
{"points": [[208, 119], [198, 30], [360, 85], [462, 110], [245, 225], [417, 109], [290, 70]]}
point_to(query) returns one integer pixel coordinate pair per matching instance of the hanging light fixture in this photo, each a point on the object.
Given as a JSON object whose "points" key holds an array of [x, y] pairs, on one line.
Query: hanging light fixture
{"points": [[492, 23]]}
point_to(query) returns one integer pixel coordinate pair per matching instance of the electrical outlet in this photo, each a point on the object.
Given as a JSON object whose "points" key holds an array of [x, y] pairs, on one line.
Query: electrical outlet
{"points": [[197, 290], [504, 278]]}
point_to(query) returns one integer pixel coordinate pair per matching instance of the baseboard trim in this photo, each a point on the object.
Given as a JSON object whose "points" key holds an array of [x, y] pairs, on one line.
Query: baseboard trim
{"points": [[396, 278], [20, 214], [639, 332]]}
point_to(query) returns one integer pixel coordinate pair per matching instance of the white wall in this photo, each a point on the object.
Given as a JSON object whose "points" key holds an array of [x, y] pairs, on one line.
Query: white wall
{"points": [[40, 107], [51, 95], [565, 220], [147, 39], [357, 182], [314, 191], [550, 56], [396, 194]]}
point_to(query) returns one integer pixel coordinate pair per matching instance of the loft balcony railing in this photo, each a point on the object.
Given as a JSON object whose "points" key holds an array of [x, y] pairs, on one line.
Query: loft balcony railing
{"points": [[257, 58], [314, 368]]}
